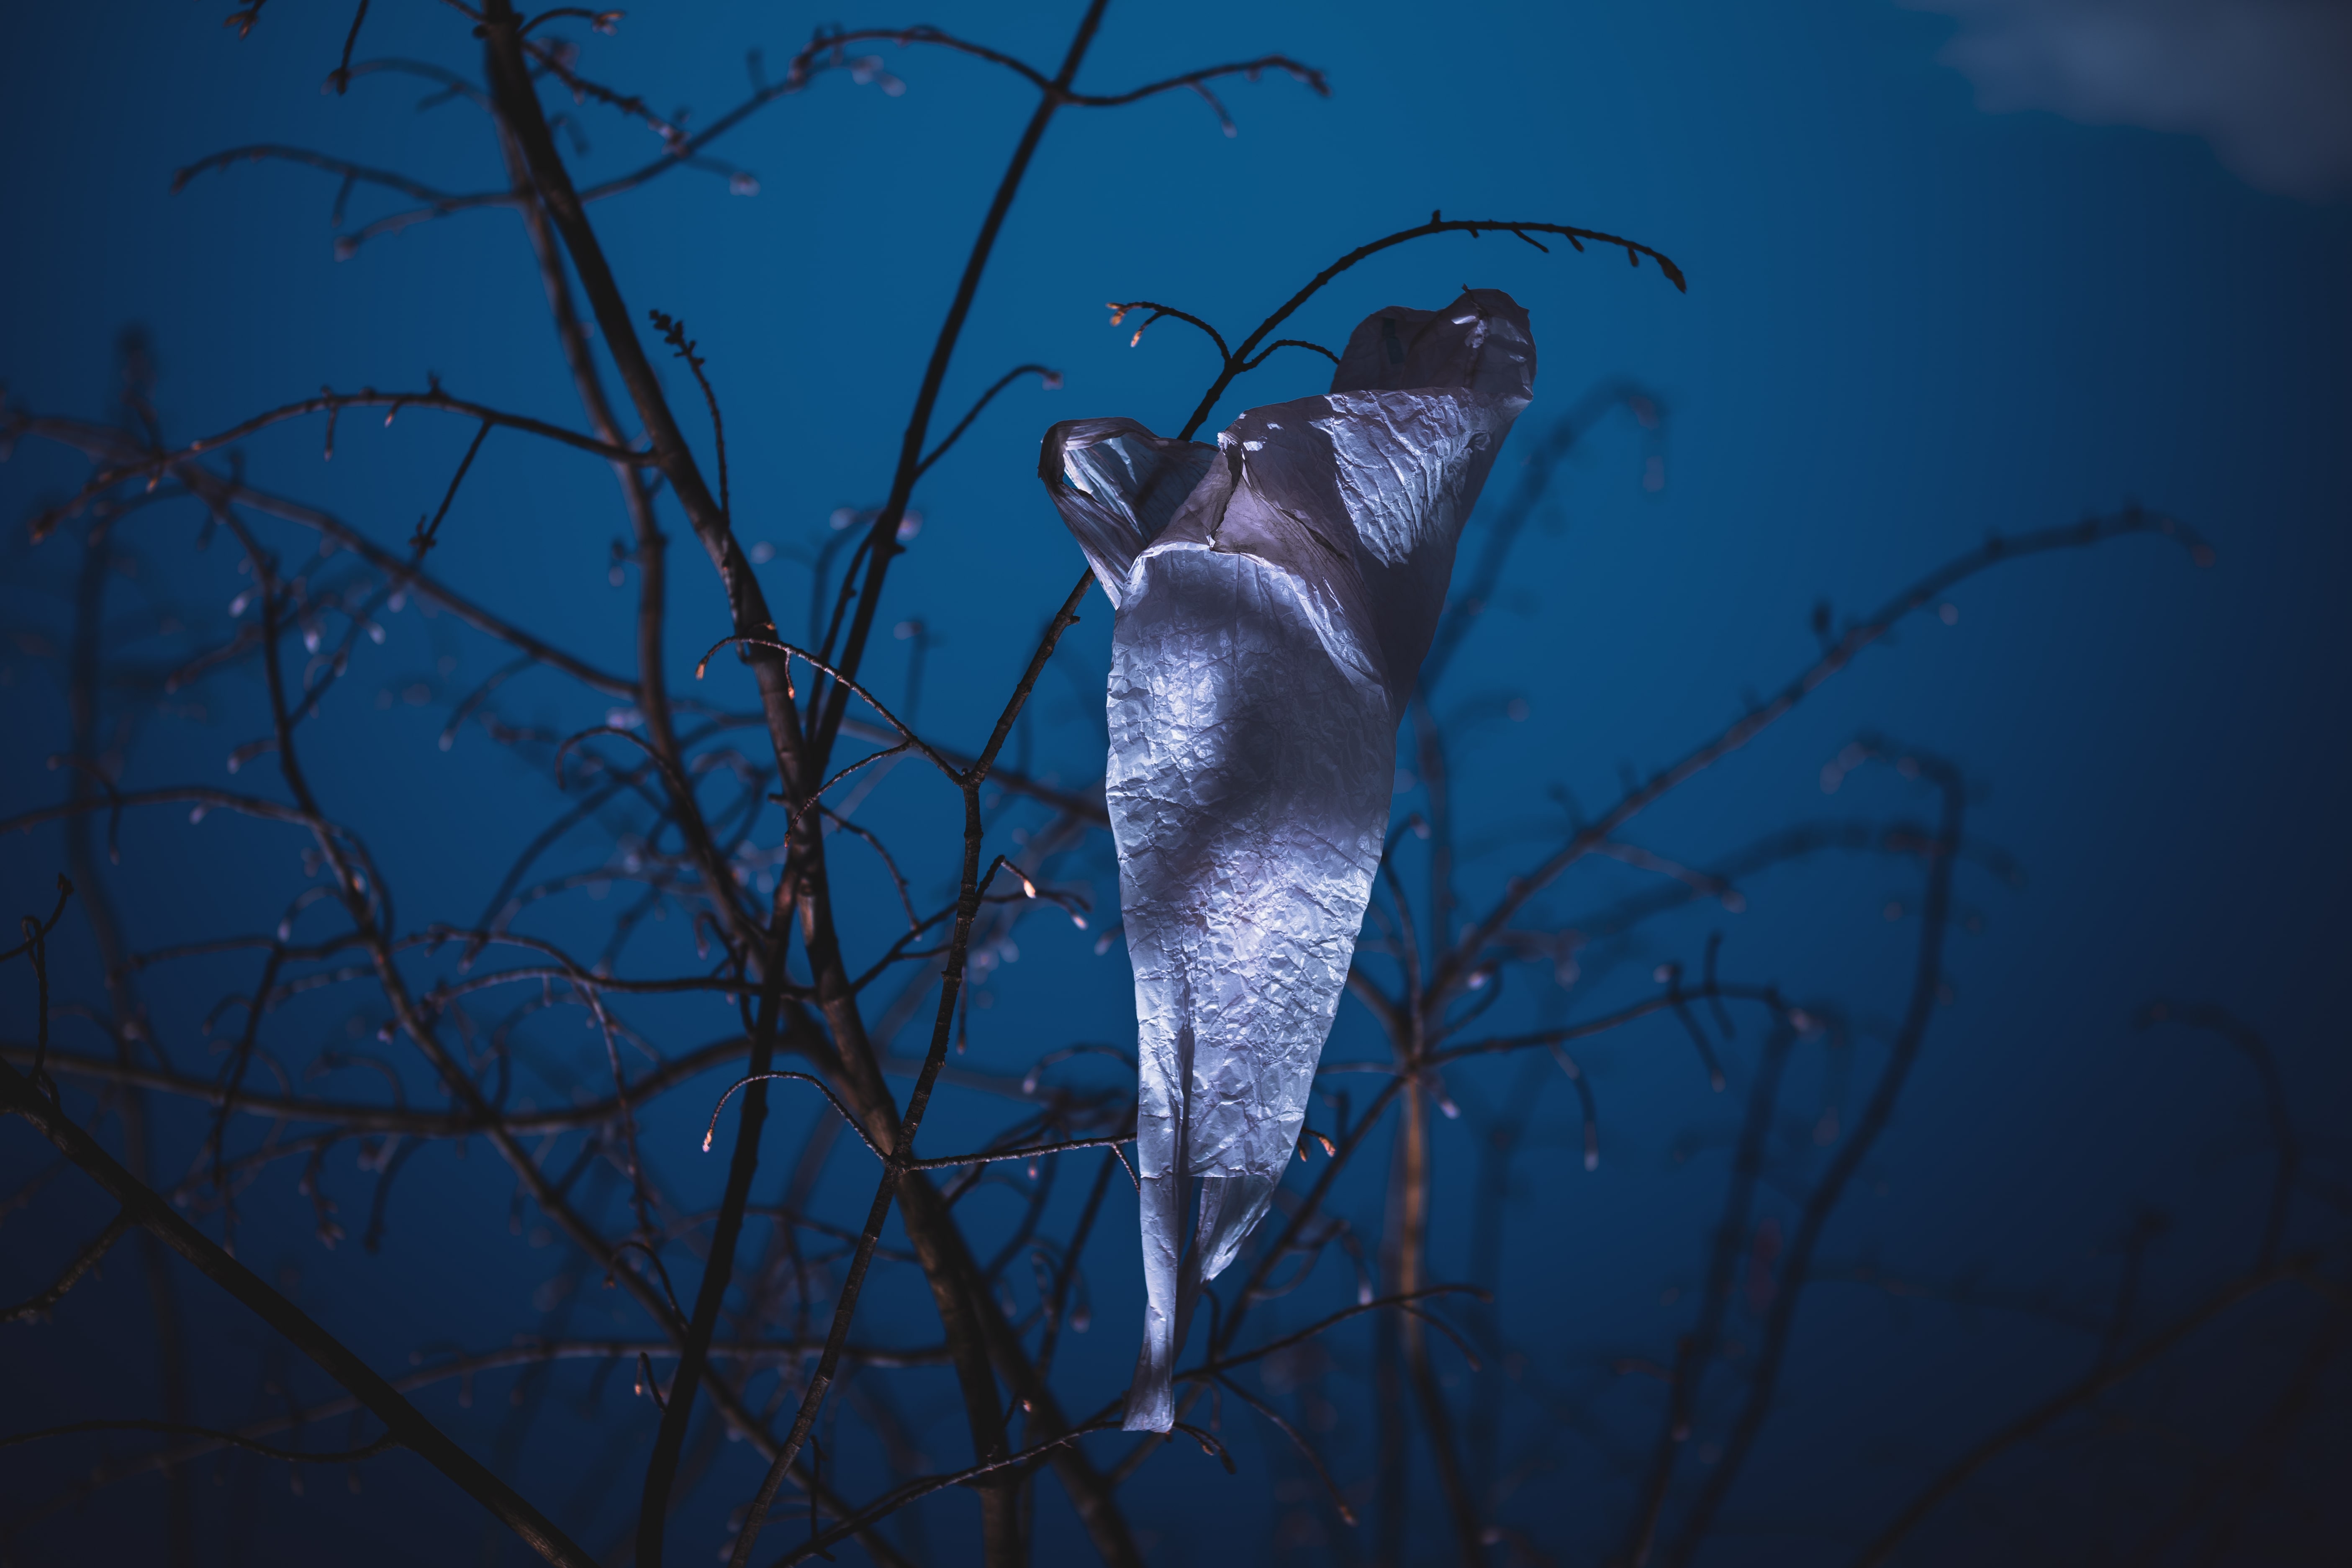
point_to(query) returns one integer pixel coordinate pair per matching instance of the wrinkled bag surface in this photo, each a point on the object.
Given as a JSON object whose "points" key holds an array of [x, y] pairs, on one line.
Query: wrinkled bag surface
{"points": [[1276, 594]]}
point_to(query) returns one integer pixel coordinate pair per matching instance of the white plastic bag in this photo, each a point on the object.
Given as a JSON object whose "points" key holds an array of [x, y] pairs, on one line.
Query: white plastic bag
{"points": [[1276, 594]]}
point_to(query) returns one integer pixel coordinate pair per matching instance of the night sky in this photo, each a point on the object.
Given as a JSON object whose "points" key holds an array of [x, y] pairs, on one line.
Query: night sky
{"points": [[1941, 287]]}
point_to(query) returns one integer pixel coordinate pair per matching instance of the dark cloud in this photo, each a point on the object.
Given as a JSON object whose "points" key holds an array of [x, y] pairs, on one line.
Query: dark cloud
{"points": [[2267, 82]]}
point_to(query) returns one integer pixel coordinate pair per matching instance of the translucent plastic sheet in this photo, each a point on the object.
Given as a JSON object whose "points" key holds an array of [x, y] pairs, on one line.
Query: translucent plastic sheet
{"points": [[1276, 594]]}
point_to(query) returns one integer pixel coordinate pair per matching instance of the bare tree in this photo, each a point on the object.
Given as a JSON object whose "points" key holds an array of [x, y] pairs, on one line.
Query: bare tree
{"points": [[722, 824]]}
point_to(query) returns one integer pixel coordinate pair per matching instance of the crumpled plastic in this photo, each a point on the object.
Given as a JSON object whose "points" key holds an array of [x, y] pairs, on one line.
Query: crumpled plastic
{"points": [[1276, 594]]}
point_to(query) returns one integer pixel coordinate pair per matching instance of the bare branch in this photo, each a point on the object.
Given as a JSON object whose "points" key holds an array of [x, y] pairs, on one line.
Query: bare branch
{"points": [[404, 1422], [40, 1306]]}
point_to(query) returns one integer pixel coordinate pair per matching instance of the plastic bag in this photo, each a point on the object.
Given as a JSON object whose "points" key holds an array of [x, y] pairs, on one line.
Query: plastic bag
{"points": [[1276, 594]]}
